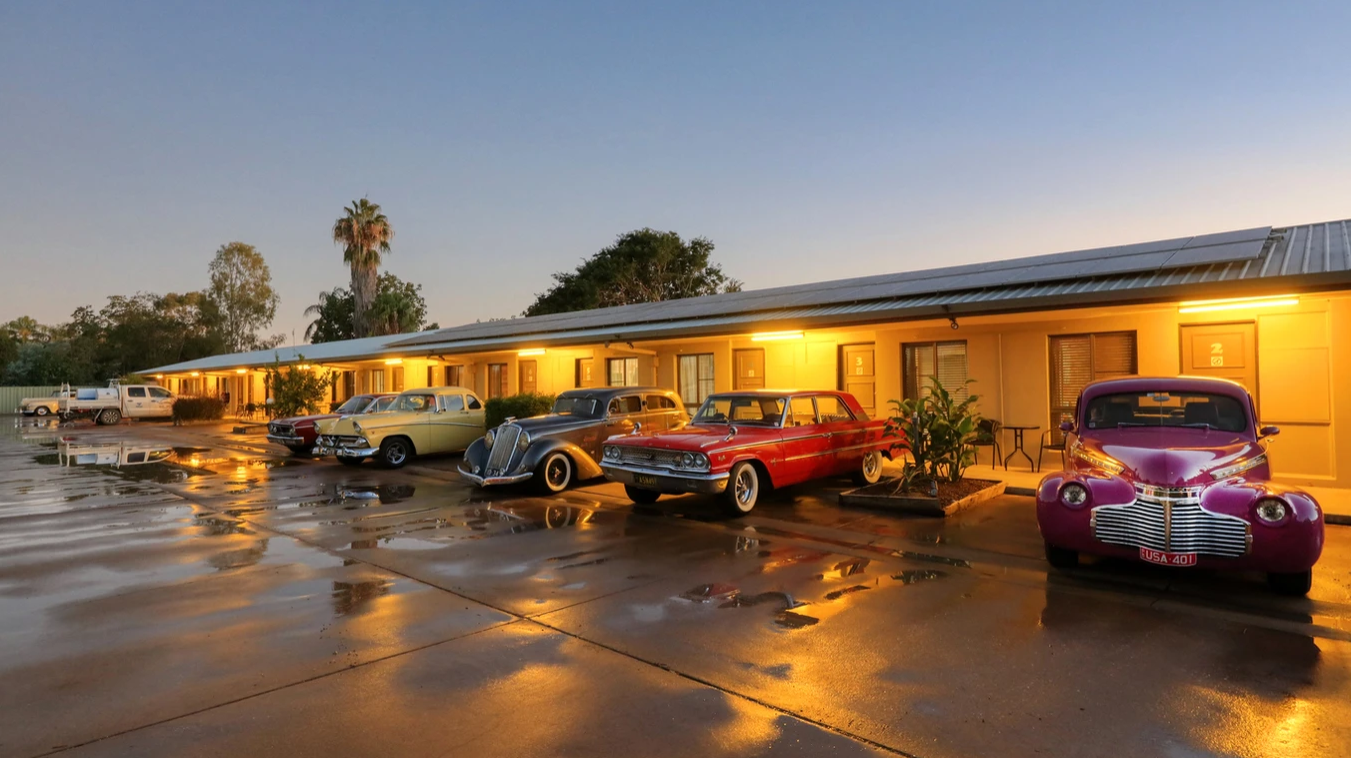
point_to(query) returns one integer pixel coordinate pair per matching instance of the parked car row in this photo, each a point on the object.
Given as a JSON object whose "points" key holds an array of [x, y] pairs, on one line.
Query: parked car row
{"points": [[1171, 471]]}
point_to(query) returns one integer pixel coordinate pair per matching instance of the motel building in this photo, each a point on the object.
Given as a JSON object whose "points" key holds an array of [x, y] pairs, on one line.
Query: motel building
{"points": [[1267, 307]]}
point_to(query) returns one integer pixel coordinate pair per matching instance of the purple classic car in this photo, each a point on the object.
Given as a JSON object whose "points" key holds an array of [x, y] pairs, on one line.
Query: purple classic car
{"points": [[1174, 472]]}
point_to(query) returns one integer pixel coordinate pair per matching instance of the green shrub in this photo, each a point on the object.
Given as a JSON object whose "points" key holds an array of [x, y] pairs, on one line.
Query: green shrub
{"points": [[525, 405], [937, 432], [198, 409], [297, 391]]}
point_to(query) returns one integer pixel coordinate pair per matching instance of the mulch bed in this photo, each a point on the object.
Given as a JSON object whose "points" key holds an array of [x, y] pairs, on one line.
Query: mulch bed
{"points": [[952, 496]]}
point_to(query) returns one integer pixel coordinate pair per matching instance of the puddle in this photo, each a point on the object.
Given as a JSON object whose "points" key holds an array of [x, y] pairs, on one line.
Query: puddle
{"points": [[943, 559], [216, 526], [845, 568], [349, 598], [910, 577], [837, 594]]}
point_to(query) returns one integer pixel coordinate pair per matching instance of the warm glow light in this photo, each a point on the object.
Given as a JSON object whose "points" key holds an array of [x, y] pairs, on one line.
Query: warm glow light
{"points": [[531, 351], [241, 371], [772, 336], [196, 373], [1236, 303], [304, 367], [393, 361], [159, 376]]}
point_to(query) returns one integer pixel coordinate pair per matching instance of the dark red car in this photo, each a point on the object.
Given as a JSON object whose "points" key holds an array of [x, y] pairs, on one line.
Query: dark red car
{"points": [[300, 433], [740, 443], [1175, 472]]}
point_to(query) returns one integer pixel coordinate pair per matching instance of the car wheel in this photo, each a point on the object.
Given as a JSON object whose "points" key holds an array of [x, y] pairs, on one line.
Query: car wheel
{"points": [[1060, 557], [349, 461], [554, 474], [394, 452], [640, 495], [1297, 584], [41, 410], [110, 416], [743, 489], [870, 470]]}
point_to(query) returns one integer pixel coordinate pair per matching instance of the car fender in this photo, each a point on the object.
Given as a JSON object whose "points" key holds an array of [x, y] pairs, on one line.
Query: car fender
{"points": [[476, 456], [764, 468], [586, 466]]}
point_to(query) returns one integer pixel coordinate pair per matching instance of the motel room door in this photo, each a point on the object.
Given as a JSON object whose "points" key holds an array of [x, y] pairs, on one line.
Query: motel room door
{"points": [[858, 376], [1227, 351], [750, 369]]}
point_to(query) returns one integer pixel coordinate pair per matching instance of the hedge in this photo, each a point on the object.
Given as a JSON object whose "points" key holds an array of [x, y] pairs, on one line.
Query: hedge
{"points": [[521, 406], [198, 409]]}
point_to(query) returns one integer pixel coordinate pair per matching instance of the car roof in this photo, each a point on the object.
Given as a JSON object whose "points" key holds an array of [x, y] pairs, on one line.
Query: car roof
{"points": [[778, 393], [438, 391], [609, 392], [1199, 384]]}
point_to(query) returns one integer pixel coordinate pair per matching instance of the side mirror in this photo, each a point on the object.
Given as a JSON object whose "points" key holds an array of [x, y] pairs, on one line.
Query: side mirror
{"points": [[1268, 431], [1066, 426]]}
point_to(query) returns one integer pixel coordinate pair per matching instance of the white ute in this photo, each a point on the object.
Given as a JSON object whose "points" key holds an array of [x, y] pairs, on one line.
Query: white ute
{"points": [[109, 405]]}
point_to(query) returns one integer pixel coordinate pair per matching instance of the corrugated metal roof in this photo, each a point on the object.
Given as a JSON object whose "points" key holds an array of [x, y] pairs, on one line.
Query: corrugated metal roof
{"points": [[322, 352], [1260, 259]]}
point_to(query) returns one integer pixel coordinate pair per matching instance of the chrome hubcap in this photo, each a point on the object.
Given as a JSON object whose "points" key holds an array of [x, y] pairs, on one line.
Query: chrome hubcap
{"points": [[557, 472], [870, 465], [745, 486], [397, 453]]}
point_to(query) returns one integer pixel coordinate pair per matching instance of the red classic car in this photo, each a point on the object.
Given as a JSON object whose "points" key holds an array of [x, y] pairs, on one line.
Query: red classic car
{"points": [[741, 442], [1174, 472], [300, 433]]}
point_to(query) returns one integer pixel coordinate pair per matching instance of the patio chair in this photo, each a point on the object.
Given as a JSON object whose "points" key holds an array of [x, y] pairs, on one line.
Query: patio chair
{"points": [[1053, 440], [987, 435], [250, 410]]}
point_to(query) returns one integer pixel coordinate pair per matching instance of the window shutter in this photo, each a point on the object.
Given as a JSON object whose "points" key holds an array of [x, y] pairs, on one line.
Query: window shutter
{"points": [[951, 368], [1113, 355]]}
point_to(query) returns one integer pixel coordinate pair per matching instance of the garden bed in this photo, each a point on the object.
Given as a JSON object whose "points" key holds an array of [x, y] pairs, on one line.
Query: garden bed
{"points": [[952, 497]]}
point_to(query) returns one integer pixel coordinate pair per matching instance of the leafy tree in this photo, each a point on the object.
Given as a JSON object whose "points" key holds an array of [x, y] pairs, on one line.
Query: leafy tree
{"points": [[398, 308], [364, 233], [241, 292], [642, 266], [27, 329], [297, 391], [39, 363], [9, 349]]}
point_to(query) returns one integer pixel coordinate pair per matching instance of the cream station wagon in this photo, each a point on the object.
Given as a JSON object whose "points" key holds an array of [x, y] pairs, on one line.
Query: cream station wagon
{"points": [[420, 422]]}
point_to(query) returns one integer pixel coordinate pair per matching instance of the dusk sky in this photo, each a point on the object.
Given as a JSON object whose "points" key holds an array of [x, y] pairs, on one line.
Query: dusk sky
{"points": [[507, 141]]}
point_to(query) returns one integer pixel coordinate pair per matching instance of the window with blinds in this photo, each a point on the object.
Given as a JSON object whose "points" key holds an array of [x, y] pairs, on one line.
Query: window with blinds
{"points": [[454, 376], [922, 363], [1077, 359], [623, 372], [497, 380], [695, 378]]}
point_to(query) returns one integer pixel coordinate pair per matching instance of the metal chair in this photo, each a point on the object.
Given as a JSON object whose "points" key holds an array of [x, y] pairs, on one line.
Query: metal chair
{"points": [[1054, 440], [987, 435]]}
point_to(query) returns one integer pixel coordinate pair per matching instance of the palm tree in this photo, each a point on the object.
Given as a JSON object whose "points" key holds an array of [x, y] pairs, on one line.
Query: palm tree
{"points": [[364, 233]]}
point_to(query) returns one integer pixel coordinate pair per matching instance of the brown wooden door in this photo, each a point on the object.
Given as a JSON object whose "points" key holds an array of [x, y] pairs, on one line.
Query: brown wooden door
{"points": [[750, 369], [584, 378], [858, 376], [1227, 351], [528, 378]]}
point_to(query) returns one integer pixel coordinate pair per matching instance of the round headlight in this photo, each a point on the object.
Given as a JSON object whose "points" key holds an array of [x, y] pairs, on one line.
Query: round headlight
{"points": [[356, 427], [1271, 510], [687, 460], [700, 460], [523, 441], [611, 452], [489, 439], [1074, 495]]}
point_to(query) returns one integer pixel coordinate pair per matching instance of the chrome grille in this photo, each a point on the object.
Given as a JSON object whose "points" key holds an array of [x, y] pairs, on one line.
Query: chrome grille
{"points": [[1171, 520], [335, 440], [646, 456], [281, 430], [504, 445]]}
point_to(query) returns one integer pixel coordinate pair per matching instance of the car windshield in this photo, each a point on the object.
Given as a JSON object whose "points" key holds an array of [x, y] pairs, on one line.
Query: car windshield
{"points": [[582, 407], [354, 405], [1161, 408], [762, 411], [415, 403], [381, 404]]}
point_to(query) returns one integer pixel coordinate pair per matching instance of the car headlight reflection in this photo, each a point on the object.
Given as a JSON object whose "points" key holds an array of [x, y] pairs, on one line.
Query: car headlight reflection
{"points": [[523, 441], [1074, 494], [1271, 510]]}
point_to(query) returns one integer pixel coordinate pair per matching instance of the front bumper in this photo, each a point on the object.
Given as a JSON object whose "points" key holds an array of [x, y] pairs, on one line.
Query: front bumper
{"points": [[490, 481], [291, 440], [665, 480]]}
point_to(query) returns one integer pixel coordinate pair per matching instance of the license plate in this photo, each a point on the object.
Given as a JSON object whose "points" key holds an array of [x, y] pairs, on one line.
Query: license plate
{"points": [[644, 479], [1167, 559]]}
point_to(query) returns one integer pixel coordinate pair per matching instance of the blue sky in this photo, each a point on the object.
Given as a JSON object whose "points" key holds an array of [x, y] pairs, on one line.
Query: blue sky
{"points": [[509, 140]]}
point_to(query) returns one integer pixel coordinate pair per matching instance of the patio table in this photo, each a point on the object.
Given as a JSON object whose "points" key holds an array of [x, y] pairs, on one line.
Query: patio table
{"points": [[1018, 445]]}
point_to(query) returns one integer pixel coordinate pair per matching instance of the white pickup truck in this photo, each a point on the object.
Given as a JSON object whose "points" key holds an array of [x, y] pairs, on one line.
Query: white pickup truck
{"points": [[109, 405]]}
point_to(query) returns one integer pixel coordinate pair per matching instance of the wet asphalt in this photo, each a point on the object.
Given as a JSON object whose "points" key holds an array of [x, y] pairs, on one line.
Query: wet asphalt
{"points": [[232, 601]]}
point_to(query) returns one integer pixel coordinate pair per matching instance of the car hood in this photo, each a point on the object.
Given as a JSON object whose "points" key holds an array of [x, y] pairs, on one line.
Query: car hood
{"points": [[1171, 457], [701, 438], [296, 420], [555, 424], [373, 421]]}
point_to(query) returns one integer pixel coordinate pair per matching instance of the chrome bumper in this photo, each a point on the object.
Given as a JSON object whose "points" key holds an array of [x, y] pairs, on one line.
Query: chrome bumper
{"points": [[287, 441], [347, 452], [489, 481], [665, 480]]}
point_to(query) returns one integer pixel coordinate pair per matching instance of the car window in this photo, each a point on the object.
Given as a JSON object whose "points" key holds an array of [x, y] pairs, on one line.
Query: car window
{"points": [[767, 411], [415, 403], [474, 404], [660, 403], [355, 404], [136, 392], [1161, 408], [452, 402], [160, 392], [381, 404], [135, 457], [577, 405], [832, 409], [625, 405], [801, 412]]}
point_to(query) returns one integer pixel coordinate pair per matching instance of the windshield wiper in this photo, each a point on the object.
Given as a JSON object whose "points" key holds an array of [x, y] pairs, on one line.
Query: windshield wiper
{"points": [[1201, 425]]}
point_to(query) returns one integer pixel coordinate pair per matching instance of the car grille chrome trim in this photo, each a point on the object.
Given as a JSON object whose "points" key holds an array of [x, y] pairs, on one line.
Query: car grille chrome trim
{"points": [[646, 456], [499, 459], [282, 430], [1172, 520], [338, 440]]}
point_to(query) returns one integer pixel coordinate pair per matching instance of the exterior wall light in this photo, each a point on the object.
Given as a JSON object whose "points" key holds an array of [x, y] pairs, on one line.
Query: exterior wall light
{"points": [[241, 371], [196, 373], [531, 351], [1236, 303], [775, 336], [393, 361]]}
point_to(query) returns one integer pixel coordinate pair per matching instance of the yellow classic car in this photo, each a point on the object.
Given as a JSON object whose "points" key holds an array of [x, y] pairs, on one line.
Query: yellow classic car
{"points": [[420, 422]]}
